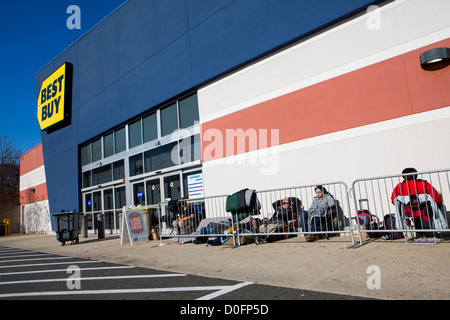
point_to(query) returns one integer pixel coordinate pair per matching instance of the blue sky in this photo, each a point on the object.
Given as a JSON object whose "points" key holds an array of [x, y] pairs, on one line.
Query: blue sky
{"points": [[32, 33]]}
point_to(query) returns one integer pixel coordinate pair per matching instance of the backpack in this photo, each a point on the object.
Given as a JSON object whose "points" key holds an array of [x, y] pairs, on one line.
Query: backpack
{"points": [[389, 224], [364, 217], [370, 222]]}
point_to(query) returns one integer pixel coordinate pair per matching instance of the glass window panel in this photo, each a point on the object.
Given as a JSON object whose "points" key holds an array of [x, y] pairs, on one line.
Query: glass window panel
{"points": [[119, 140], [169, 120], [87, 179], [119, 170], [136, 165], [148, 161], [120, 197], [108, 199], [188, 111], [102, 175], [97, 150], [108, 148], [134, 132], [150, 129], [161, 157], [196, 148], [86, 154], [95, 177], [190, 149]]}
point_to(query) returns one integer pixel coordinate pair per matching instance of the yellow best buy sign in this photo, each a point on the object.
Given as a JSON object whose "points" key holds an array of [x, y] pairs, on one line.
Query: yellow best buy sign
{"points": [[54, 100]]}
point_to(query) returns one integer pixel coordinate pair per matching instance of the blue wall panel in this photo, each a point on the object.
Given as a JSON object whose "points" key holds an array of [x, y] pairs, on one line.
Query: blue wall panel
{"points": [[164, 75], [245, 29], [147, 27], [149, 51], [97, 66]]}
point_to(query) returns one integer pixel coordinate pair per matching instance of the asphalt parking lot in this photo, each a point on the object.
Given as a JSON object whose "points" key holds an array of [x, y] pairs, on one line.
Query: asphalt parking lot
{"points": [[27, 274], [291, 269]]}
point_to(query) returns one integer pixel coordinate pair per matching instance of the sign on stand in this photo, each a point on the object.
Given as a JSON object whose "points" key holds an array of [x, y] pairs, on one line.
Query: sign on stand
{"points": [[134, 220]]}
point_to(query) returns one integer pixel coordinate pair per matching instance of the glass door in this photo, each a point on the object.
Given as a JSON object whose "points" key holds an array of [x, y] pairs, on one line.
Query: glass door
{"points": [[96, 207], [87, 208], [138, 194], [157, 189], [120, 201], [172, 187], [108, 210], [109, 202], [153, 188]]}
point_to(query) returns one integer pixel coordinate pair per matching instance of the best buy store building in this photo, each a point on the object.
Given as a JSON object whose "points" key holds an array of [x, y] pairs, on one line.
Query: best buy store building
{"points": [[173, 98]]}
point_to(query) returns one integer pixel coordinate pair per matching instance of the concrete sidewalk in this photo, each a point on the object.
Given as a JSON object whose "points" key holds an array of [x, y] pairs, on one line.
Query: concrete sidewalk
{"points": [[406, 271]]}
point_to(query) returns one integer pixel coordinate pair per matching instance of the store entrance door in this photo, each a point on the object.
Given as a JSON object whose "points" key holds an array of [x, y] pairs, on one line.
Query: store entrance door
{"points": [[172, 187], [153, 191], [108, 202], [149, 192]]}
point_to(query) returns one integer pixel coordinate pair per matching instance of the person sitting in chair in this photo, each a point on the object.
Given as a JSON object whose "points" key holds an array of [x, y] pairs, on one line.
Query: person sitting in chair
{"points": [[286, 210], [409, 191], [413, 185], [188, 218], [310, 219]]}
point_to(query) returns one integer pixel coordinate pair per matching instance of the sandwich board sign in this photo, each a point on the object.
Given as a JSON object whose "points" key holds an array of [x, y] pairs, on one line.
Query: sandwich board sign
{"points": [[134, 220]]}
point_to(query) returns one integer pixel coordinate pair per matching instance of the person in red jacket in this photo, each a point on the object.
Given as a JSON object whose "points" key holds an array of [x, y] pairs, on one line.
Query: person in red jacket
{"points": [[421, 215], [412, 185]]}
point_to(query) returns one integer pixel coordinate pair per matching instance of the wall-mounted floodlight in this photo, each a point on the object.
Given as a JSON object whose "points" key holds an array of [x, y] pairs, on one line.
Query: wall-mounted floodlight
{"points": [[435, 59]]}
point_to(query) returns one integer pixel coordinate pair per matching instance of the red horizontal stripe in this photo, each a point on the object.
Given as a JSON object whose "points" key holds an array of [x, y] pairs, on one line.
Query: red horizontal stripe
{"points": [[31, 160], [28, 196], [386, 90]]}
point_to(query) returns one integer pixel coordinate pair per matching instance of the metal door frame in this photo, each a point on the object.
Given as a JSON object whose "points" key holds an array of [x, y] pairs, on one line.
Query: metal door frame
{"points": [[102, 210]]}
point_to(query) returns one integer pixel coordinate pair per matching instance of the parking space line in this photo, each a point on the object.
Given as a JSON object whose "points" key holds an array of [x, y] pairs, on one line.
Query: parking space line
{"points": [[34, 259], [143, 276], [225, 290], [13, 250], [49, 264], [17, 252], [64, 270], [25, 255], [114, 291]]}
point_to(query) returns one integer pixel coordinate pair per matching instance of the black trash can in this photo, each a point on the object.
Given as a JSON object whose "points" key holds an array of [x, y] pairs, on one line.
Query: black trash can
{"points": [[67, 226]]}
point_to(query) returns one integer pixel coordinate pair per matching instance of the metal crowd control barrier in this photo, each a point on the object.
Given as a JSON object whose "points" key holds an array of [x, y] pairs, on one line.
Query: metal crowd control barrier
{"points": [[407, 206], [189, 220], [415, 212], [283, 213], [280, 216]]}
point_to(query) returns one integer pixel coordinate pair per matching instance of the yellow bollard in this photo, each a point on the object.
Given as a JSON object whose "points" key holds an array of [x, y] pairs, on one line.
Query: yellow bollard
{"points": [[7, 226]]}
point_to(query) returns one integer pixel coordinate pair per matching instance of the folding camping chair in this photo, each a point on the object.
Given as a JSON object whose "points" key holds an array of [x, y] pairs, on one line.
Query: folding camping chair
{"points": [[288, 210], [243, 205], [419, 212]]}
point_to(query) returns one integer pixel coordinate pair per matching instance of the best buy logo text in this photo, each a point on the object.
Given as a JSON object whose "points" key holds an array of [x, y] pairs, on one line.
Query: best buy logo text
{"points": [[52, 98]]}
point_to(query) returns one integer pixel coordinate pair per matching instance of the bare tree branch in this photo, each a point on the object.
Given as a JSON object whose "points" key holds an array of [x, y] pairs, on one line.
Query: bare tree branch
{"points": [[9, 171]]}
